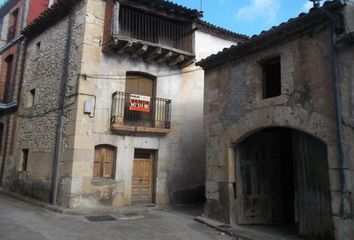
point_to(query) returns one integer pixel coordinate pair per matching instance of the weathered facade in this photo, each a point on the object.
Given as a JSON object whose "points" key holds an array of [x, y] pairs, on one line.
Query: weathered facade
{"points": [[278, 115], [13, 18], [86, 64]]}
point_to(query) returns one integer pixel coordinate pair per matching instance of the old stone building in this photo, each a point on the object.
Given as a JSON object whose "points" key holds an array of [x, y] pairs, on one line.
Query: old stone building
{"points": [[279, 126], [112, 104], [14, 16]]}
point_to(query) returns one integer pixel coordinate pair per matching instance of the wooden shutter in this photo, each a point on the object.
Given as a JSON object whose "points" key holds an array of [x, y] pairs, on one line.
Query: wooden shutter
{"points": [[104, 164], [139, 84]]}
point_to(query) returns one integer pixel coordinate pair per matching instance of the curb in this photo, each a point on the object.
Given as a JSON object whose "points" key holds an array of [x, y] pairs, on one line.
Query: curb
{"points": [[32, 201], [82, 212], [221, 227]]}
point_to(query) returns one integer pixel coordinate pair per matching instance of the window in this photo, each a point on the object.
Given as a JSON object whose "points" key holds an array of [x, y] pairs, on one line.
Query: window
{"points": [[139, 84], [271, 78], [105, 161], [31, 98], [8, 90], [24, 160], [12, 25]]}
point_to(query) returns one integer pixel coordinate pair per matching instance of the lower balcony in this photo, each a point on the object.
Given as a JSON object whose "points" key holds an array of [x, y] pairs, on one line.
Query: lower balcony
{"points": [[133, 113]]}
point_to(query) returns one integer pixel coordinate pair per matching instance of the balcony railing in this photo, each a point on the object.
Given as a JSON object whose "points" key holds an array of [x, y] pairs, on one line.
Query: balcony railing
{"points": [[138, 25], [158, 115]]}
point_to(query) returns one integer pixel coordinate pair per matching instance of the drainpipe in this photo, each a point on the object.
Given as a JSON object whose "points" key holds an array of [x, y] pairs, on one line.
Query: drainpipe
{"points": [[335, 26], [61, 116]]}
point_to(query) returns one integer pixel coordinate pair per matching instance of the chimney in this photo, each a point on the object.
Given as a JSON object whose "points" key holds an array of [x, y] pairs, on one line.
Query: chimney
{"points": [[316, 3]]}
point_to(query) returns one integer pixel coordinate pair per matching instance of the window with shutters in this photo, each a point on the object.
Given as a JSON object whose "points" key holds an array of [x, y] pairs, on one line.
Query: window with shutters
{"points": [[142, 85], [105, 161]]}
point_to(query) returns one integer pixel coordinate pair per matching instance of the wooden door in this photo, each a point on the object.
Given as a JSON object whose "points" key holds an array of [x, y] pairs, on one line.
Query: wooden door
{"points": [[259, 183], [313, 200], [142, 182]]}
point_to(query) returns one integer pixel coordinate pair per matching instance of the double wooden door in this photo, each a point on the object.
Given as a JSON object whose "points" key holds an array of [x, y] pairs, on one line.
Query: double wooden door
{"points": [[143, 175]]}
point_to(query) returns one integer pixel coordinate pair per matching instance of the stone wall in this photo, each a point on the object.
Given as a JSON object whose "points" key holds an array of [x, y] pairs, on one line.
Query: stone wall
{"points": [[38, 123], [234, 109]]}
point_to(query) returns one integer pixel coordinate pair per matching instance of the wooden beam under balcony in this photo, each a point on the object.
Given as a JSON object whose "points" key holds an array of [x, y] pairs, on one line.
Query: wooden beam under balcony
{"points": [[165, 57], [176, 60], [153, 54], [150, 52], [140, 51]]}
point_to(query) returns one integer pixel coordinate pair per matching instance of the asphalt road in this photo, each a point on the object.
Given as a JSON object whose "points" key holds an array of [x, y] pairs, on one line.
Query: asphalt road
{"points": [[19, 220]]}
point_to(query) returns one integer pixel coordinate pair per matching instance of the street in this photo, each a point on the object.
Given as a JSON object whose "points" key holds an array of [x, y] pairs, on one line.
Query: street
{"points": [[20, 220]]}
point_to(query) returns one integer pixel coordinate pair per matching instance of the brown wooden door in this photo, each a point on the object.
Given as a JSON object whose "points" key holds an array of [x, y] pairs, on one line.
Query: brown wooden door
{"points": [[314, 213], [142, 182], [259, 180]]}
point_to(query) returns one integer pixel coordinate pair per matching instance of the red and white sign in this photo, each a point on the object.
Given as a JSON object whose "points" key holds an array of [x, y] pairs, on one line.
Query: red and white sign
{"points": [[139, 103]]}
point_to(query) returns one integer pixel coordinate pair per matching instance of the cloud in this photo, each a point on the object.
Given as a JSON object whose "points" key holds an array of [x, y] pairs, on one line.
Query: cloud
{"points": [[307, 6], [264, 10]]}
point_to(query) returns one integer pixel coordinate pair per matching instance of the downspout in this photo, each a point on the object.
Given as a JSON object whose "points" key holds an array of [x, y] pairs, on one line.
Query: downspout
{"points": [[335, 26], [61, 116]]}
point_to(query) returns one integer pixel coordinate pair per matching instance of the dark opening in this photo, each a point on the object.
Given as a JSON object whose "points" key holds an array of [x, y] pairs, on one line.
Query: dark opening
{"points": [[271, 78], [285, 182], [8, 85], [24, 160], [32, 98], [267, 170]]}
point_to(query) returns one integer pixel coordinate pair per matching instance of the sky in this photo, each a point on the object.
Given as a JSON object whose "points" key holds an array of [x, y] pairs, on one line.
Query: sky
{"points": [[247, 16]]}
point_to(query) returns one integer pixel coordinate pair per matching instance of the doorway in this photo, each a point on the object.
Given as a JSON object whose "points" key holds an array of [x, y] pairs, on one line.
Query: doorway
{"points": [[282, 179], [143, 177]]}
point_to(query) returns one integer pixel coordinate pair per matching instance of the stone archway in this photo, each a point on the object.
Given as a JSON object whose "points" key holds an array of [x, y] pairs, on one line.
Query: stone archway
{"points": [[282, 178]]}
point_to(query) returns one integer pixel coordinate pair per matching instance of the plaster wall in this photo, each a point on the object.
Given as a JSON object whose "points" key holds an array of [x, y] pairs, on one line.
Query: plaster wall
{"points": [[234, 109], [207, 44]]}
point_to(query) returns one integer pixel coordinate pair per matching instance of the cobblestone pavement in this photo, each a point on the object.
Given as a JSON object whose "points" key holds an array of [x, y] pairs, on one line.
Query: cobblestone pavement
{"points": [[19, 220]]}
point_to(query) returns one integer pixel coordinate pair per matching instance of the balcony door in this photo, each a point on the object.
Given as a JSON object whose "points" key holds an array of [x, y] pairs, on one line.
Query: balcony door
{"points": [[142, 85]]}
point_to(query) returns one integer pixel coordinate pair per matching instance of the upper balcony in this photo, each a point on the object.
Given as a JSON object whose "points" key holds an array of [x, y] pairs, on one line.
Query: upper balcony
{"points": [[153, 37]]}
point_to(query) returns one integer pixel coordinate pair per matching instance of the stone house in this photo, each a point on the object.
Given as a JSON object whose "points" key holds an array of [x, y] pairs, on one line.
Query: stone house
{"points": [[278, 116], [112, 104], [14, 16]]}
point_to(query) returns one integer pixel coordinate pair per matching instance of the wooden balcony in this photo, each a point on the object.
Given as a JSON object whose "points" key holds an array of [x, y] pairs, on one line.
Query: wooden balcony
{"points": [[152, 38]]}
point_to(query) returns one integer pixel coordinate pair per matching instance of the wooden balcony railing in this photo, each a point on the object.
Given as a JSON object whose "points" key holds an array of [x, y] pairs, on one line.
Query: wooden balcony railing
{"points": [[158, 115], [138, 25]]}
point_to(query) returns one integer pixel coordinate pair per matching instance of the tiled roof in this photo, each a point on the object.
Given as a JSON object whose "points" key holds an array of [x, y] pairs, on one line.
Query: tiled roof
{"points": [[205, 26], [274, 35], [58, 10], [169, 7]]}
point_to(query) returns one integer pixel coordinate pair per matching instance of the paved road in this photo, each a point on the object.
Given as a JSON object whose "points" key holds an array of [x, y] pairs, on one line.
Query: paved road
{"points": [[19, 220]]}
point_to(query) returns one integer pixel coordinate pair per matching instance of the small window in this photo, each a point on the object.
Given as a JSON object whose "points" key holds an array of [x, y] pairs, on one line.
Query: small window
{"points": [[31, 98], [24, 160], [271, 78], [105, 161]]}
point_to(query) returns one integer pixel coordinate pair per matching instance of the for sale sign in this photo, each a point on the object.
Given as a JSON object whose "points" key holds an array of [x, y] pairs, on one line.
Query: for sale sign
{"points": [[139, 103]]}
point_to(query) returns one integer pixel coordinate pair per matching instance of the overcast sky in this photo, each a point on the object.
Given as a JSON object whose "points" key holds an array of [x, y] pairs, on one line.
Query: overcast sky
{"points": [[247, 16]]}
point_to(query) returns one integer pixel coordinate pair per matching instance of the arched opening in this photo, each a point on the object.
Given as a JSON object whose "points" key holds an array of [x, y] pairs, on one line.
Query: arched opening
{"points": [[282, 179]]}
